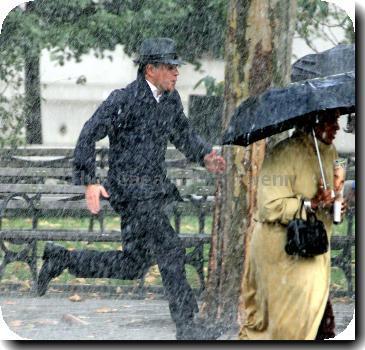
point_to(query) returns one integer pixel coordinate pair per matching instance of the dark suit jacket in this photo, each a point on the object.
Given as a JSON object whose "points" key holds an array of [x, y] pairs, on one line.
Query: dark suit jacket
{"points": [[138, 129]]}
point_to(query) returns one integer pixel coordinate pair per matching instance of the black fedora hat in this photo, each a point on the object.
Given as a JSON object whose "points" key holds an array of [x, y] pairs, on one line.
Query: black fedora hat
{"points": [[158, 50]]}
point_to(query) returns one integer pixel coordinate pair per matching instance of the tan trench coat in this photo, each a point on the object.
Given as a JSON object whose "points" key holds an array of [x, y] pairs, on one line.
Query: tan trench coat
{"points": [[285, 296]]}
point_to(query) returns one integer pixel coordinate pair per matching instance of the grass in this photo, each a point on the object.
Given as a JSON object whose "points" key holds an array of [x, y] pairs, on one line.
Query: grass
{"points": [[338, 280], [19, 272]]}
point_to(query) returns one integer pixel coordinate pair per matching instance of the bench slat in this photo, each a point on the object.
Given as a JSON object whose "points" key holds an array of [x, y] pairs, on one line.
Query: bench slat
{"points": [[172, 173], [338, 242], [60, 203], [39, 188], [64, 235], [46, 150], [36, 172], [72, 189], [37, 150]]}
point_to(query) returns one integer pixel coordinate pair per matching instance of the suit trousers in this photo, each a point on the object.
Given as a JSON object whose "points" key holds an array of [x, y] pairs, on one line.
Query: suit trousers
{"points": [[147, 237]]}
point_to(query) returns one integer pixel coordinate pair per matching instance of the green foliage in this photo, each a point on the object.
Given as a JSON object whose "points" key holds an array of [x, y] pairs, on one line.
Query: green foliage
{"points": [[213, 88], [317, 19], [12, 104], [18, 272], [11, 121], [196, 25], [72, 28]]}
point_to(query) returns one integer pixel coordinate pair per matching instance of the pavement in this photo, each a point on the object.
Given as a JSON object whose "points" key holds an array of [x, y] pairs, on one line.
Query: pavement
{"points": [[77, 317]]}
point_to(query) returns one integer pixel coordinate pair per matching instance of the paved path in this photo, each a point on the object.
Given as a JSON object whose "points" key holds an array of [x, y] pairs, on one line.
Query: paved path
{"points": [[58, 318]]}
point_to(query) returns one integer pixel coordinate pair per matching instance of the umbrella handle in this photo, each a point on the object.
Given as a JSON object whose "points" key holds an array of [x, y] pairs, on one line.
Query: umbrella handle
{"points": [[319, 159]]}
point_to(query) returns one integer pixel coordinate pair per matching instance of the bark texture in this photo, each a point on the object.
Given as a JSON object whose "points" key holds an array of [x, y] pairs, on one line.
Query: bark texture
{"points": [[33, 130], [33, 126]]}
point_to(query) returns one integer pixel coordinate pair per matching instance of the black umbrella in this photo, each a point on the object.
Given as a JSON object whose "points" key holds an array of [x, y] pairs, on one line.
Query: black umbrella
{"points": [[337, 60], [280, 109]]}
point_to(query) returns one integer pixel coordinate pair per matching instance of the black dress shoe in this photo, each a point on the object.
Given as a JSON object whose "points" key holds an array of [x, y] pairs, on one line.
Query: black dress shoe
{"points": [[56, 260], [197, 331]]}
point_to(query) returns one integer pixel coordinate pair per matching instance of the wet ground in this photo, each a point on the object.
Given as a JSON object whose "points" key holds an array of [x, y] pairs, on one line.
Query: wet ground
{"points": [[74, 317]]}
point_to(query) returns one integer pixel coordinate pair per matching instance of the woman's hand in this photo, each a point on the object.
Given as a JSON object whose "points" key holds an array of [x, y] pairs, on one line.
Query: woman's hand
{"points": [[323, 198]]}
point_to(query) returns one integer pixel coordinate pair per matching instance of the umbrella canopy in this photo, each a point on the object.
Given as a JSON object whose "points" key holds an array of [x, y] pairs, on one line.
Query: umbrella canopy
{"points": [[280, 109], [337, 60]]}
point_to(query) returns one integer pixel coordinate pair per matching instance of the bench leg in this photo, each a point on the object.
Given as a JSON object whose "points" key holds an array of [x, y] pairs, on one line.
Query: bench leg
{"points": [[32, 262], [8, 258], [140, 289], [177, 218], [5, 260], [347, 268], [347, 251], [196, 259], [348, 274], [200, 267], [27, 255]]}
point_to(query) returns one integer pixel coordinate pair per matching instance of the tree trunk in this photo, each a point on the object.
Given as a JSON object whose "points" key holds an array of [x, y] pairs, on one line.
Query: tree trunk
{"points": [[33, 126], [33, 129], [258, 55]]}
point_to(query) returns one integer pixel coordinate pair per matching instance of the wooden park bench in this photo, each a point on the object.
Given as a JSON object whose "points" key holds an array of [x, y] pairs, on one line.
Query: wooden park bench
{"points": [[36, 182]]}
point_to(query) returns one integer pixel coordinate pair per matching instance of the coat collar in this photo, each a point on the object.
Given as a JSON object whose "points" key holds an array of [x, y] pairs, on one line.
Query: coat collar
{"points": [[155, 92], [144, 92]]}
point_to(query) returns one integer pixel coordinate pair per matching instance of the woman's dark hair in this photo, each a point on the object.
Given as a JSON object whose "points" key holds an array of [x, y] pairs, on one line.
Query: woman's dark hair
{"points": [[320, 117]]}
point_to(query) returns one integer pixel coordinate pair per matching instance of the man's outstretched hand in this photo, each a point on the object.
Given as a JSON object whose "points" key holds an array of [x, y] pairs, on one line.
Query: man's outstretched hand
{"points": [[92, 196], [214, 163]]}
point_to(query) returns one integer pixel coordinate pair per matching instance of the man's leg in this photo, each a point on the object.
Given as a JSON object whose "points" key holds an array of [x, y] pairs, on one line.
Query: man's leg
{"points": [[131, 263], [170, 258], [170, 255]]}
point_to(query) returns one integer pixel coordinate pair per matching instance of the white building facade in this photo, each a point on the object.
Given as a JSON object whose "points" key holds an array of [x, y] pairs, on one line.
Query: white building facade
{"points": [[67, 105]]}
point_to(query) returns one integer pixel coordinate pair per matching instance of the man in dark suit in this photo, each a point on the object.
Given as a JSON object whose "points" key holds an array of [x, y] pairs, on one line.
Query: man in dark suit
{"points": [[139, 121]]}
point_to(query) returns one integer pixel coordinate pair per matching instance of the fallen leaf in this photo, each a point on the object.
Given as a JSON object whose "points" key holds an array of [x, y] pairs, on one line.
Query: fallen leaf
{"points": [[103, 310], [9, 302], [72, 319], [15, 323], [75, 298], [150, 279], [25, 286], [150, 296]]}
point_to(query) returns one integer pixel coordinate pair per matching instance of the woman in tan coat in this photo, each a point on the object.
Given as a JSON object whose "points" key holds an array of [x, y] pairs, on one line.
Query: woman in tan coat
{"points": [[285, 296]]}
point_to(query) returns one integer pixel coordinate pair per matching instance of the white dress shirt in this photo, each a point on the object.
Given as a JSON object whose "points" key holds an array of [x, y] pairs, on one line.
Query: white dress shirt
{"points": [[156, 92]]}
